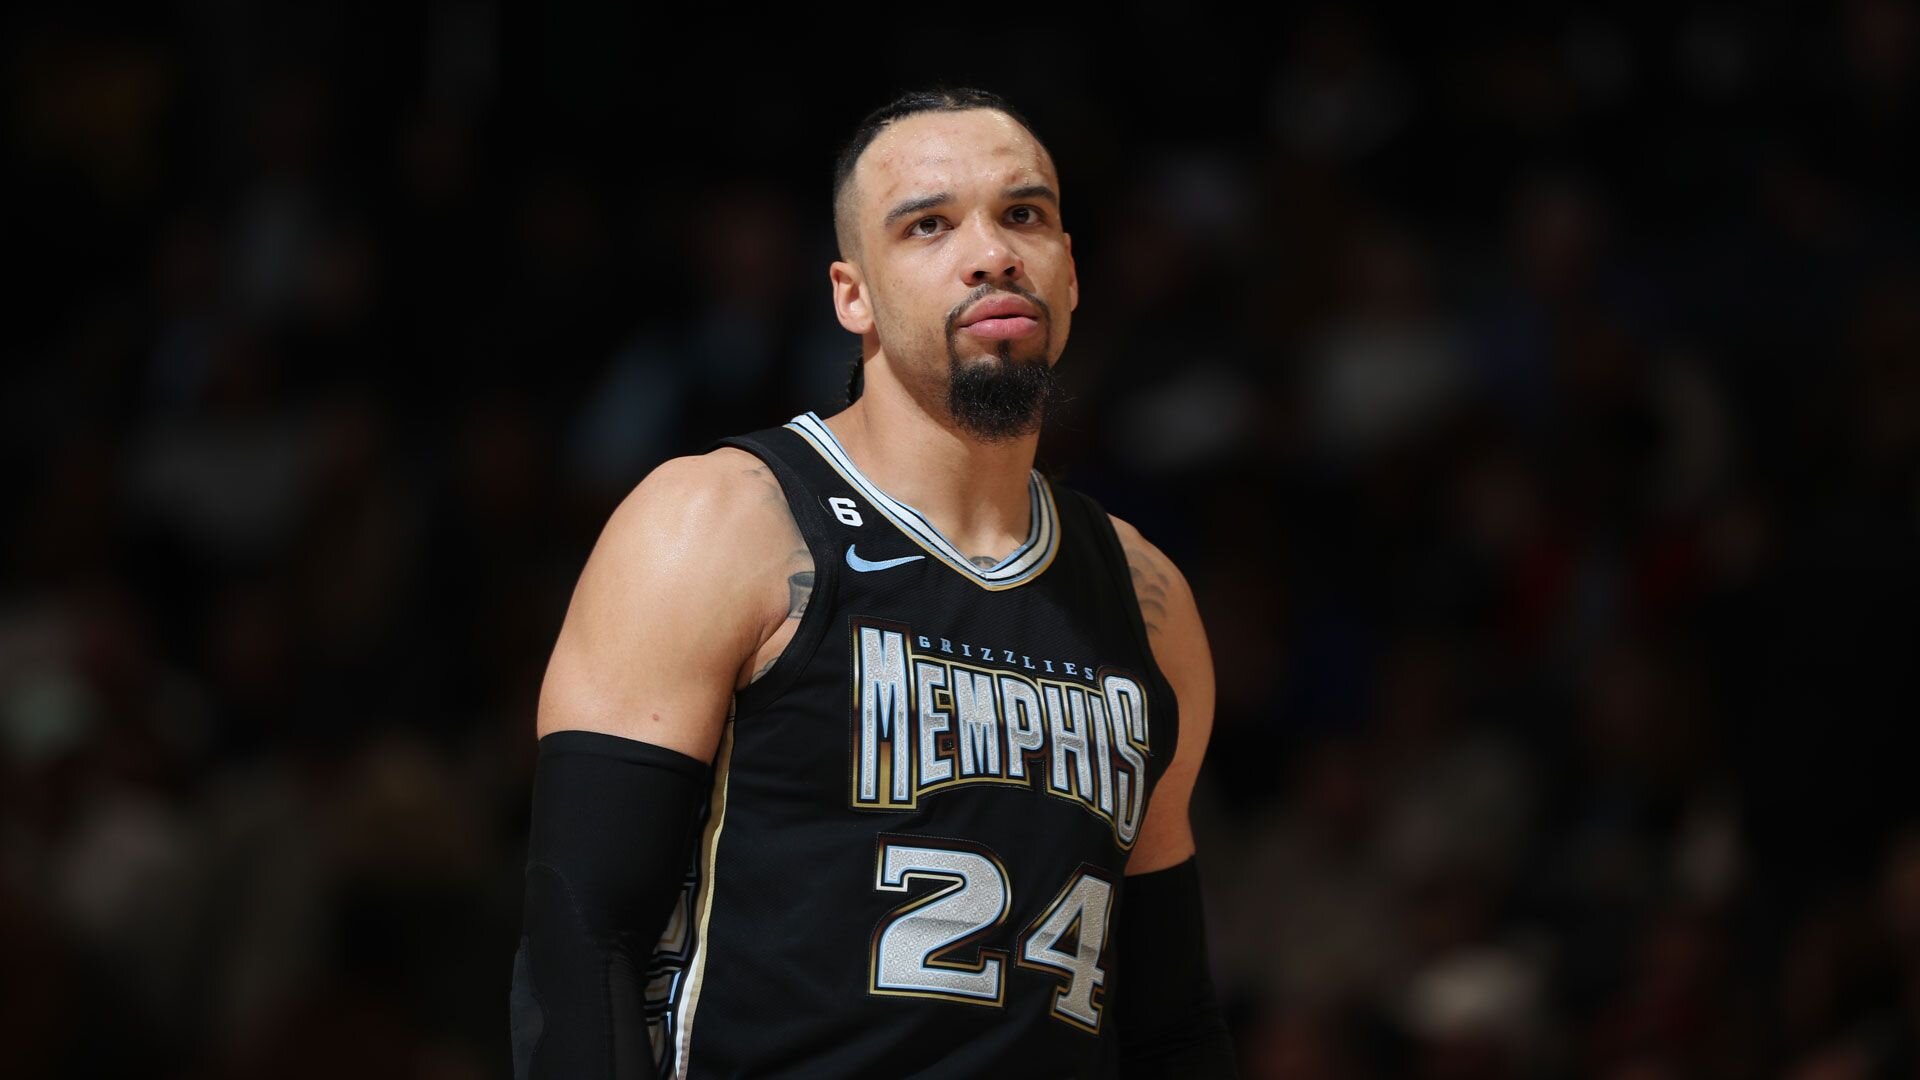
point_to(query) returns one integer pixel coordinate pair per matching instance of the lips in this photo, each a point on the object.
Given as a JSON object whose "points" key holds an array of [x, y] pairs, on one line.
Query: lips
{"points": [[1001, 317], [1006, 326], [1001, 307]]}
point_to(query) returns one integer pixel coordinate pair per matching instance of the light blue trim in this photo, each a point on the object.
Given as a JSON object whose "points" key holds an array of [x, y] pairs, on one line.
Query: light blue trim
{"points": [[867, 566]]}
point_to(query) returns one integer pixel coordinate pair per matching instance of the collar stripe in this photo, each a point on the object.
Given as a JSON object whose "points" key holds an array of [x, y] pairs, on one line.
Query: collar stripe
{"points": [[1033, 556]]}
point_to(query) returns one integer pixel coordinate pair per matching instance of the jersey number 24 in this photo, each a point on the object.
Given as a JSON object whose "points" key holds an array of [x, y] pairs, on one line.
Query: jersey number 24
{"points": [[917, 947]]}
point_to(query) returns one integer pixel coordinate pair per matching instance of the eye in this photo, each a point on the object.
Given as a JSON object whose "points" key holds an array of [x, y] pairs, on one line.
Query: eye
{"points": [[915, 230], [1034, 217]]}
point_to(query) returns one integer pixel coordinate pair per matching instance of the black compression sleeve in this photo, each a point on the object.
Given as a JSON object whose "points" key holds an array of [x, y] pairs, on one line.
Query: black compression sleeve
{"points": [[611, 835], [1170, 1024]]}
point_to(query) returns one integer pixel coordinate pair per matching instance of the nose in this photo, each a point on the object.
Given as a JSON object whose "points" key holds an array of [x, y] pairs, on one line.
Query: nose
{"points": [[991, 256]]}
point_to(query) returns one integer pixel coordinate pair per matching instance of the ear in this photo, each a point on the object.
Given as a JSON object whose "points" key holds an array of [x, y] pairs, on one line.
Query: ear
{"points": [[1073, 275], [850, 302]]}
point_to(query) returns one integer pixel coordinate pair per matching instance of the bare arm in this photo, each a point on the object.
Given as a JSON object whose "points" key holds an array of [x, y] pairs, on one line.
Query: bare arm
{"points": [[693, 589], [1171, 1026], [697, 575], [1180, 649]]}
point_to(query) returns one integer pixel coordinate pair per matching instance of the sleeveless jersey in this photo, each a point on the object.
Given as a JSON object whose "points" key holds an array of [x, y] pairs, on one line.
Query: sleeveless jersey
{"points": [[913, 856]]}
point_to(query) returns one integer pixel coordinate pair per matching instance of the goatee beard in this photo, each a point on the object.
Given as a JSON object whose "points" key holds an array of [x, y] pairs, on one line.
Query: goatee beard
{"points": [[995, 402]]}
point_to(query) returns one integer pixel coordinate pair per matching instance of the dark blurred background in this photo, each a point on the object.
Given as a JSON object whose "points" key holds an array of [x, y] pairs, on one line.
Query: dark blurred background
{"points": [[1534, 405]]}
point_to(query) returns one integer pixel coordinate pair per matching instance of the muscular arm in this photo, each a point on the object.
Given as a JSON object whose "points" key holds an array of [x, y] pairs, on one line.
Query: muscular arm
{"points": [[1170, 1023], [697, 574], [693, 588], [1179, 644]]}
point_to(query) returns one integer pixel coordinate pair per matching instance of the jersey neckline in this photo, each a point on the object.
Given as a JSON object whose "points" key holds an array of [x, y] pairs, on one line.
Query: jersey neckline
{"points": [[1023, 565]]}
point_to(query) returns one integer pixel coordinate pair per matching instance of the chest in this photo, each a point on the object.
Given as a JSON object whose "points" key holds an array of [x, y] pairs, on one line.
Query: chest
{"points": [[955, 706]]}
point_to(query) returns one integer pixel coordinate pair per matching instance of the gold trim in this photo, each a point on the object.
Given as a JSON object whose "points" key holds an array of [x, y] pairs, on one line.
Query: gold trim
{"points": [[1097, 997], [956, 883], [710, 844], [1040, 780]]}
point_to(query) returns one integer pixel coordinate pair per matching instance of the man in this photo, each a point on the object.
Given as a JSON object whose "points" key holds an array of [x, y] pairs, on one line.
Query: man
{"points": [[865, 749]]}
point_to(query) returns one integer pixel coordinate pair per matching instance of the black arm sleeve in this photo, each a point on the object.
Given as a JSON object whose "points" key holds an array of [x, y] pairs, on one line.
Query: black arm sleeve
{"points": [[611, 835], [1170, 1024]]}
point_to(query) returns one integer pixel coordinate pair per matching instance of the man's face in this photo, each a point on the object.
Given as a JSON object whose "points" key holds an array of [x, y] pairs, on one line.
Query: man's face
{"points": [[965, 268]]}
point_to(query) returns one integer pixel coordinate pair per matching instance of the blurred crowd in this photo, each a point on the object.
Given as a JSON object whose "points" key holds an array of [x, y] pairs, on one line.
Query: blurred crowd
{"points": [[1534, 405]]}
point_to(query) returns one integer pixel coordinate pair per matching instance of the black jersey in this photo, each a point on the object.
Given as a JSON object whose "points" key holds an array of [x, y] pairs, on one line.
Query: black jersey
{"points": [[913, 855]]}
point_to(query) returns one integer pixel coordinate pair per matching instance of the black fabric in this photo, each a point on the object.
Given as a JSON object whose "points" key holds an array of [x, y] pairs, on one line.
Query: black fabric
{"points": [[794, 958], [525, 1021], [610, 837], [1170, 1024]]}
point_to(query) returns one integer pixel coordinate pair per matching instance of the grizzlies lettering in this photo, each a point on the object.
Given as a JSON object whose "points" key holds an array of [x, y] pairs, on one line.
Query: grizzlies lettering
{"points": [[926, 720]]}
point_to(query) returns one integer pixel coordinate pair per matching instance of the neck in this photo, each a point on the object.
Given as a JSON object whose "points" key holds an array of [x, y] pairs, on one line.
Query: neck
{"points": [[974, 492]]}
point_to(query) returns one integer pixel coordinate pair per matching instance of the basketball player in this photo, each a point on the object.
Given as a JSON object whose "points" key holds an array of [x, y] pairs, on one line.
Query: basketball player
{"points": [[865, 749]]}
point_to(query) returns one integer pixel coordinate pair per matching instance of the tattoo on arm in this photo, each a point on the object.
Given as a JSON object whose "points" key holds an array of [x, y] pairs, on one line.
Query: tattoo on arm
{"points": [[769, 484], [799, 589], [1150, 585], [799, 562], [801, 558]]}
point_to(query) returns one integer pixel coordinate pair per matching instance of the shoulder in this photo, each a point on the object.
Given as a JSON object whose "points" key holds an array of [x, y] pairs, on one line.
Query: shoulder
{"points": [[1167, 606], [702, 529], [1179, 643], [682, 586], [701, 493], [1161, 587], [1172, 616], [1174, 629]]}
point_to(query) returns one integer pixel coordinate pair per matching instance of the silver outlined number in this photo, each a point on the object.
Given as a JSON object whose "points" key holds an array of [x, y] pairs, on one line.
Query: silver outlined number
{"points": [[920, 948]]}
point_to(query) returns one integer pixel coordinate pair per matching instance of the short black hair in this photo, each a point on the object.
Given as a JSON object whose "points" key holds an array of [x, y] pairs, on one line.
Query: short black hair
{"points": [[936, 99]]}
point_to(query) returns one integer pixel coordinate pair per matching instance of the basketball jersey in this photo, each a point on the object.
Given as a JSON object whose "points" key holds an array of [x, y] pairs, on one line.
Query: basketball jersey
{"points": [[913, 856]]}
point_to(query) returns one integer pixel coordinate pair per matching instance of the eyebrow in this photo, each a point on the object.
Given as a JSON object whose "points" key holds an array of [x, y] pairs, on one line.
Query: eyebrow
{"points": [[940, 198]]}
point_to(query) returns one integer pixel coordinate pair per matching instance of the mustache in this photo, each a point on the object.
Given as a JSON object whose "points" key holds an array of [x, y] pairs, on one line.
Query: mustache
{"points": [[984, 291]]}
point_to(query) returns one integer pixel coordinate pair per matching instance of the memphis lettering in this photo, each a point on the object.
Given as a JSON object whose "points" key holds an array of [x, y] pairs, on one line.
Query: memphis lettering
{"points": [[925, 721]]}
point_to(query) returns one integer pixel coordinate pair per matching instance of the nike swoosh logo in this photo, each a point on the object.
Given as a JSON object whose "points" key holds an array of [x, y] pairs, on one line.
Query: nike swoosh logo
{"points": [[868, 565]]}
